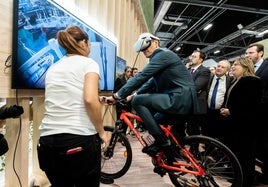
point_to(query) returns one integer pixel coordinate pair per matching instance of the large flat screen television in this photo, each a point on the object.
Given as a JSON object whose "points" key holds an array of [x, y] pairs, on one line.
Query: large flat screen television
{"points": [[35, 47]]}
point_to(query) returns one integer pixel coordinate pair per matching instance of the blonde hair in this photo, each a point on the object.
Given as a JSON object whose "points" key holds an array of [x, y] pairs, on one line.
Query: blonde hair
{"points": [[69, 39], [248, 66]]}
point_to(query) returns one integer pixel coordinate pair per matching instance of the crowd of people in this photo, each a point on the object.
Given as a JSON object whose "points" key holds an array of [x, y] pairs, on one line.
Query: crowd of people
{"points": [[228, 103], [236, 108]]}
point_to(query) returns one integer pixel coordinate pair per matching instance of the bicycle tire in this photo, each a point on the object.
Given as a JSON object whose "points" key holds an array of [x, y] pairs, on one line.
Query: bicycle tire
{"points": [[222, 168], [119, 158]]}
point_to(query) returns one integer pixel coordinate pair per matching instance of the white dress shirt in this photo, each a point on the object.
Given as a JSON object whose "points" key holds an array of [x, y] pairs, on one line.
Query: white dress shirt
{"points": [[220, 93], [257, 65]]}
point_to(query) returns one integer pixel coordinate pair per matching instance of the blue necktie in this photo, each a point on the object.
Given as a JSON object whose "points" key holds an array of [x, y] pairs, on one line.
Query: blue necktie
{"points": [[214, 93]]}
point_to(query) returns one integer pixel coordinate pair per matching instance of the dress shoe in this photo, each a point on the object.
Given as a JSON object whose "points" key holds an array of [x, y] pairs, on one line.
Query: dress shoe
{"points": [[104, 179], [153, 149]]}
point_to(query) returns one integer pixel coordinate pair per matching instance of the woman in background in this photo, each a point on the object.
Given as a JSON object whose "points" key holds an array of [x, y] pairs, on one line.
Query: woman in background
{"points": [[71, 131], [240, 109]]}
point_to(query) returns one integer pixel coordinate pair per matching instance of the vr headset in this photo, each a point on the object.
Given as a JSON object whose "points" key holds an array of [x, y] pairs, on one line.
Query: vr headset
{"points": [[144, 41]]}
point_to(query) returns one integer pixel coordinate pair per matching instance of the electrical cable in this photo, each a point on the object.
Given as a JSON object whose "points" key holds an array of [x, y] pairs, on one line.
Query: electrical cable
{"points": [[16, 145], [135, 61], [8, 62]]}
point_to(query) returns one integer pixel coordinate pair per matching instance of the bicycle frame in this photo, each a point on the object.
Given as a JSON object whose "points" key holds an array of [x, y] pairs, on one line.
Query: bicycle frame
{"points": [[177, 166]]}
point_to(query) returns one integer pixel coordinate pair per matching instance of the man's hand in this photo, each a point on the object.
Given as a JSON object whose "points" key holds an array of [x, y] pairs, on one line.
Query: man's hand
{"points": [[105, 139], [110, 100], [130, 97]]}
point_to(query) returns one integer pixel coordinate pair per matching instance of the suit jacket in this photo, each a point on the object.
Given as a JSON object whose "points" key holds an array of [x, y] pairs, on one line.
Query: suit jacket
{"points": [[119, 82], [227, 83], [201, 78], [262, 72], [166, 73]]}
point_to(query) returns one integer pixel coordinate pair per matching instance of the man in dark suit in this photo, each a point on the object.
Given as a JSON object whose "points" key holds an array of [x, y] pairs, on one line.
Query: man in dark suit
{"points": [[122, 79], [173, 93], [213, 123], [119, 82], [201, 76], [255, 52]]}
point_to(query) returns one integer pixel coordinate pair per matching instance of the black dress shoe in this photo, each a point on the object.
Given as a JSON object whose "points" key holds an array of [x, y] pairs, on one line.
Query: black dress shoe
{"points": [[153, 149], [104, 179]]}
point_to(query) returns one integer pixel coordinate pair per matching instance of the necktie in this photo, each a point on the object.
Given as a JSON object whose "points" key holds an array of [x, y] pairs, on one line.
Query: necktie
{"points": [[255, 68], [192, 71], [214, 93]]}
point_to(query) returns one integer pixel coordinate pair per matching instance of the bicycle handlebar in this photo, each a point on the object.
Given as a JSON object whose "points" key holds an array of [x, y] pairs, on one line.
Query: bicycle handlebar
{"points": [[121, 102]]}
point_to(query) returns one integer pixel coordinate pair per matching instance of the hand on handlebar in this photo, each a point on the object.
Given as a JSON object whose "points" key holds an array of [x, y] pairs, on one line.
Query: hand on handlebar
{"points": [[130, 97], [109, 100], [112, 100], [102, 100]]}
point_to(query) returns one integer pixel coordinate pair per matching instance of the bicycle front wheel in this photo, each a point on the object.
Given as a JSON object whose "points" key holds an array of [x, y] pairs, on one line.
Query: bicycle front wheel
{"points": [[116, 160], [222, 168]]}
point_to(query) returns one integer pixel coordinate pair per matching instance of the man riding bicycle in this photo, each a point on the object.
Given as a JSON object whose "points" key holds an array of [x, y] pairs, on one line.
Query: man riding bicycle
{"points": [[163, 86]]}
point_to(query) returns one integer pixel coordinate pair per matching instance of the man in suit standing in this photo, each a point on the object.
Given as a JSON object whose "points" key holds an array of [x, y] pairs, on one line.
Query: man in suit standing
{"points": [[255, 52], [214, 118], [201, 76], [119, 82], [173, 93]]}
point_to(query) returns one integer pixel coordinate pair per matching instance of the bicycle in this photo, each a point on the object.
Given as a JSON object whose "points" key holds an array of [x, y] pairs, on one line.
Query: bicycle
{"points": [[193, 161]]}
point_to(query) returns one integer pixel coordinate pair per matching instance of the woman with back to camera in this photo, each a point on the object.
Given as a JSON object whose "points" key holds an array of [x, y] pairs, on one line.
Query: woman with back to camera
{"points": [[71, 132]]}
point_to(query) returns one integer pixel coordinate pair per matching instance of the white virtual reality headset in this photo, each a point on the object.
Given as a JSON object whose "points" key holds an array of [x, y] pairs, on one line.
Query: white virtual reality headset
{"points": [[144, 41]]}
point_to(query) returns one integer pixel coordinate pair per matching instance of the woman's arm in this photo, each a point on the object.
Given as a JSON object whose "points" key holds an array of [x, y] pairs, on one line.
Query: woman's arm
{"points": [[91, 99]]}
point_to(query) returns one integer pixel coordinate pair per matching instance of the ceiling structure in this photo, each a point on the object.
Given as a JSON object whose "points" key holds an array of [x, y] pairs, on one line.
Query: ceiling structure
{"points": [[236, 24]]}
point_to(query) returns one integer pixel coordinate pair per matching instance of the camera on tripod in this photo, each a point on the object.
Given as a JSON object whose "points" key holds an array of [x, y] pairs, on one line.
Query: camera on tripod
{"points": [[13, 111]]}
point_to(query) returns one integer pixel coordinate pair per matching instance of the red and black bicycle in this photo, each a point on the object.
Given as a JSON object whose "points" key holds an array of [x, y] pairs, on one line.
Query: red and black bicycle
{"points": [[190, 161]]}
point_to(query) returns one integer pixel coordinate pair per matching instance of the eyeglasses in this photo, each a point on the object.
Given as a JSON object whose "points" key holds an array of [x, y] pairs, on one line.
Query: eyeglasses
{"points": [[193, 56]]}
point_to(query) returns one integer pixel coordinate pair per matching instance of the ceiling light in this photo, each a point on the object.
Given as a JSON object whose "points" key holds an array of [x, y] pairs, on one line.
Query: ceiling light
{"points": [[178, 48], [217, 51], [208, 27]]}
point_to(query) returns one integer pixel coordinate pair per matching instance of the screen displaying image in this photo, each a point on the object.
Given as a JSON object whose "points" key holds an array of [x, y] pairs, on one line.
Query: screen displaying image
{"points": [[35, 47], [121, 65]]}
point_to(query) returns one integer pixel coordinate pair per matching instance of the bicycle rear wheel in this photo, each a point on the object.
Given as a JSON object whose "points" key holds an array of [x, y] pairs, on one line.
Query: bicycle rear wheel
{"points": [[116, 160], [222, 168]]}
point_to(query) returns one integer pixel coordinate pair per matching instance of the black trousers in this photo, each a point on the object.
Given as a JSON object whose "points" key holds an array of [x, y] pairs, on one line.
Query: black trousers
{"points": [[70, 160], [214, 125]]}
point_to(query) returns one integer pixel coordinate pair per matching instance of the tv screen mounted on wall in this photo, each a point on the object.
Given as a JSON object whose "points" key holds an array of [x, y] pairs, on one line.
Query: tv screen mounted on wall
{"points": [[35, 47]]}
